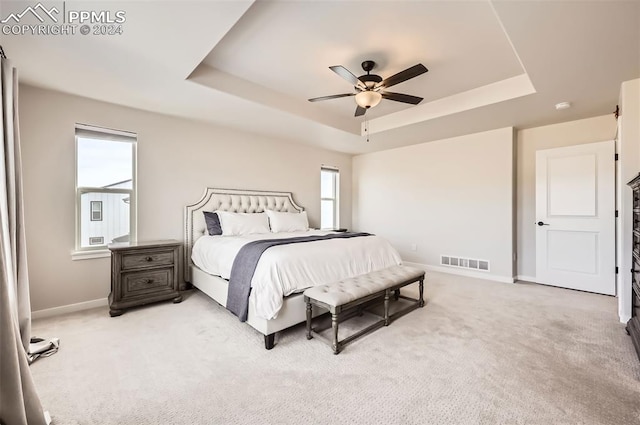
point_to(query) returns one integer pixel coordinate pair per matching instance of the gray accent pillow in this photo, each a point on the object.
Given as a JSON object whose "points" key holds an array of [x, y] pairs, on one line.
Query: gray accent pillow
{"points": [[213, 223]]}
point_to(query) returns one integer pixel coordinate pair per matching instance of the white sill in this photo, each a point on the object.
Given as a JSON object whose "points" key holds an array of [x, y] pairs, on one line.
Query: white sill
{"points": [[90, 254]]}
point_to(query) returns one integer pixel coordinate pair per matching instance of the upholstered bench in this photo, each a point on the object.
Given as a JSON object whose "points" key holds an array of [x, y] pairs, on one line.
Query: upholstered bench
{"points": [[354, 293]]}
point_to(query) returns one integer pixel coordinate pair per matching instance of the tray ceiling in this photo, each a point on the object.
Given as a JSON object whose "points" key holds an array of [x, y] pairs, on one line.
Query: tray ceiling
{"points": [[253, 65]]}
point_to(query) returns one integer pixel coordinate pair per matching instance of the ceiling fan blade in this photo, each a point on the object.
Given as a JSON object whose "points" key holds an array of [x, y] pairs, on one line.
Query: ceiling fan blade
{"points": [[404, 98], [402, 76], [334, 96], [360, 111], [347, 75]]}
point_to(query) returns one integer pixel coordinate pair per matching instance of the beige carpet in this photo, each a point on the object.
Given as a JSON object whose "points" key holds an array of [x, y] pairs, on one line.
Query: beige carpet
{"points": [[478, 353]]}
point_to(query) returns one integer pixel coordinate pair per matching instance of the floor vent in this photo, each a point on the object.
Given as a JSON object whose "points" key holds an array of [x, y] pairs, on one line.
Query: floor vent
{"points": [[464, 263]]}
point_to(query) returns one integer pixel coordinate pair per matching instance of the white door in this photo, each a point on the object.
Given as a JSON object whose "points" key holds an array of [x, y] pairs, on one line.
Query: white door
{"points": [[575, 217]]}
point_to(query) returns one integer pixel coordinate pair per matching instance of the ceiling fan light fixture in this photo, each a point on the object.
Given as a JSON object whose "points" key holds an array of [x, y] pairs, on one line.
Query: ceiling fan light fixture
{"points": [[368, 98], [371, 88]]}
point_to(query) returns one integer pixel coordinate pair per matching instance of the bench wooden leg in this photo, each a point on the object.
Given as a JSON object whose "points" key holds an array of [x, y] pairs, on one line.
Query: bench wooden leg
{"points": [[309, 317], [421, 299], [386, 307], [334, 325], [396, 294]]}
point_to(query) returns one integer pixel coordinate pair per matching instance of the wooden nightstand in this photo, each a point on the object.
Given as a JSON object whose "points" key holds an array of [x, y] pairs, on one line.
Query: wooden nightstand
{"points": [[143, 273]]}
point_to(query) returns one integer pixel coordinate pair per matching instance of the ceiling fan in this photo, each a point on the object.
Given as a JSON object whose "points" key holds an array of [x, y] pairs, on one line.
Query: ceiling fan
{"points": [[369, 87]]}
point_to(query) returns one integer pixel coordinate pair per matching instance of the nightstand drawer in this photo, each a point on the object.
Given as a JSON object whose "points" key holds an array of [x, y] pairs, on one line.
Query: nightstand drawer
{"points": [[135, 261], [145, 282]]}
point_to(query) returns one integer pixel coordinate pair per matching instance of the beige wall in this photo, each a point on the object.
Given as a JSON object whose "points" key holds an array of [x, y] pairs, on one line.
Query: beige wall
{"points": [[177, 159], [448, 197], [529, 141]]}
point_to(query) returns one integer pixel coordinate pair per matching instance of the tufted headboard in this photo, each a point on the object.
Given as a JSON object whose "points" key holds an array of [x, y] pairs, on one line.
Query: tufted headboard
{"points": [[246, 201]]}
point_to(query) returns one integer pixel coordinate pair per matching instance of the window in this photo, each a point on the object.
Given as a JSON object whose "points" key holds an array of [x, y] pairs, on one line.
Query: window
{"points": [[105, 187], [329, 188], [96, 240], [96, 210]]}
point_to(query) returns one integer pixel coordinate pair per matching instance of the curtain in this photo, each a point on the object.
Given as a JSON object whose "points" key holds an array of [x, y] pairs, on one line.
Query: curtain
{"points": [[19, 402]]}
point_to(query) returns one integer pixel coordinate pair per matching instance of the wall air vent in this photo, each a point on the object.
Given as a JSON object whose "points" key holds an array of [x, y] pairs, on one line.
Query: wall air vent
{"points": [[464, 263]]}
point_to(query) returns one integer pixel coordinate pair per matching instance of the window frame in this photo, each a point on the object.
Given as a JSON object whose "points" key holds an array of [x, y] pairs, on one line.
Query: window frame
{"points": [[105, 134], [336, 195], [98, 210]]}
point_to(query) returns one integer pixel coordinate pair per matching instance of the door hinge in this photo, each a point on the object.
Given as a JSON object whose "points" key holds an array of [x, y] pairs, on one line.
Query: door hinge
{"points": [[616, 270], [616, 213], [616, 113], [616, 157]]}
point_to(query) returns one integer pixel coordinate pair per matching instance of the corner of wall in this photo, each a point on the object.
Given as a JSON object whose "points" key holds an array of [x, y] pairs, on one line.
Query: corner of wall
{"points": [[514, 201]]}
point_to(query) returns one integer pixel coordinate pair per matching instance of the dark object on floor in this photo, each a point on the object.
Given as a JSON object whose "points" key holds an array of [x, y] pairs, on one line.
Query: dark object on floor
{"points": [[633, 325], [143, 273]]}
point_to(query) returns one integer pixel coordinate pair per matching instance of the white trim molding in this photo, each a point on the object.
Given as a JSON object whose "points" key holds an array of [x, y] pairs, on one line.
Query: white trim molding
{"points": [[90, 254], [71, 308], [462, 272]]}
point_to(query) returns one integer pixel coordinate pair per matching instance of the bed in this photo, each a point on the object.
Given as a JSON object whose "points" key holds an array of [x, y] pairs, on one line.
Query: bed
{"points": [[363, 256]]}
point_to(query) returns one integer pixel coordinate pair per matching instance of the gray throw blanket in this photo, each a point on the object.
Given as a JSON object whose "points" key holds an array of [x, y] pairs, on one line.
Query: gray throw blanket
{"points": [[245, 263]]}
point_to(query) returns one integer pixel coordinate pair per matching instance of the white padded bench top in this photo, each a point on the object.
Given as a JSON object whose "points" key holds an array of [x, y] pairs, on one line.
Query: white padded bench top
{"points": [[347, 290]]}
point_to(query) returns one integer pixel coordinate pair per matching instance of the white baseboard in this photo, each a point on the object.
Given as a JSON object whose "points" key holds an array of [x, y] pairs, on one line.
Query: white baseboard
{"points": [[526, 278], [462, 272], [71, 308]]}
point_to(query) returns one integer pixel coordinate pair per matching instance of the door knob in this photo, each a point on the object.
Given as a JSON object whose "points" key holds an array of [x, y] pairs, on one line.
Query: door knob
{"points": [[540, 223]]}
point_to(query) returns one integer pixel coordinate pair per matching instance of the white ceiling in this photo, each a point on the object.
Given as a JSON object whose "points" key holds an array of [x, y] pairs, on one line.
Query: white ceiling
{"points": [[252, 66], [464, 48]]}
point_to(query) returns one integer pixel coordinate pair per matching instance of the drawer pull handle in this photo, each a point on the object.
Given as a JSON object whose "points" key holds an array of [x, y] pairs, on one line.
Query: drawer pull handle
{"points": [[148, 281], [149, 258]]}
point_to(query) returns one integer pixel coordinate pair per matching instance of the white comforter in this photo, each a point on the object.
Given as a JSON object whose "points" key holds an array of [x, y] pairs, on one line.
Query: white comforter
{"points": [[285, 269]]}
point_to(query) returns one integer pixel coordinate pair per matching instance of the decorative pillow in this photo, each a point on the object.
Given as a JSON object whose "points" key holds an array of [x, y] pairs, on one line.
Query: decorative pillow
{"points": [[243, 223], [288, 222], [213, 223]]}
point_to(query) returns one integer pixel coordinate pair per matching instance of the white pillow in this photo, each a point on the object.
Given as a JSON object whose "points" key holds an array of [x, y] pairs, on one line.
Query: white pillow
{"points": [[288, 222], [243, 223]]}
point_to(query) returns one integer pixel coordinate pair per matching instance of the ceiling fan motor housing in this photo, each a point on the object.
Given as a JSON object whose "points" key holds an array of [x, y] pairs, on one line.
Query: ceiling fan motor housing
{"points": [[368, 79]]}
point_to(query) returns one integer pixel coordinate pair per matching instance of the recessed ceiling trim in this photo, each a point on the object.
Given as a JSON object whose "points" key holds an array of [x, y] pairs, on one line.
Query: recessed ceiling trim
{"points": [[506, 34], [489, 94], [216, 79]]}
